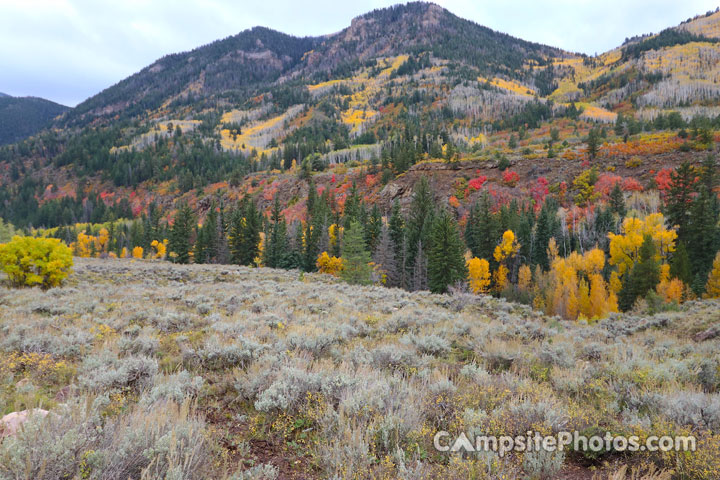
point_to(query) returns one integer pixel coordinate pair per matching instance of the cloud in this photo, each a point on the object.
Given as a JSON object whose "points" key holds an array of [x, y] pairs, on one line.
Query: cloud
{"points": [[68, 50]]}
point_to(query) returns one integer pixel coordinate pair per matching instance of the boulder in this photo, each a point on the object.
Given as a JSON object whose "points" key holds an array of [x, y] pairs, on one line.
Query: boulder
{"points": [[11, 423]]}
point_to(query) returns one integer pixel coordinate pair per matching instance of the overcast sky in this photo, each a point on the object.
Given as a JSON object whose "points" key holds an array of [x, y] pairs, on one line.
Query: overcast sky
{"points": [[69, 50]]}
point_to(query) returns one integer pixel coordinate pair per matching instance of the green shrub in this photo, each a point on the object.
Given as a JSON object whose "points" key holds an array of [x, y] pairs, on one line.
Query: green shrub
{"points": [[29, 261]]}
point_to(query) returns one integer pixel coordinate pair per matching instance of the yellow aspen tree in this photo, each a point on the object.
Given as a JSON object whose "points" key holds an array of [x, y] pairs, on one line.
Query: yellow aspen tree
{"points": [[102, 241], [508, 247], [137, 252], [478, 274], [599, 304], [584, 308], [500, 277], [712, 288], [124, 253], [329, 265], [524, 278], [625, 247], [671, 290]]}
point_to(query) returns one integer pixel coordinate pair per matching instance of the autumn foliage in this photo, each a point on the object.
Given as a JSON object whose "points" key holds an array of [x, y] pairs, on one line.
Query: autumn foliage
{"points": [[29, 261]]}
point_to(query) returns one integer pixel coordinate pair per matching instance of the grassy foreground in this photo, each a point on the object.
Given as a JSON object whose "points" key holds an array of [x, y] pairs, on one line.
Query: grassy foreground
{"points": [[153, 370]]}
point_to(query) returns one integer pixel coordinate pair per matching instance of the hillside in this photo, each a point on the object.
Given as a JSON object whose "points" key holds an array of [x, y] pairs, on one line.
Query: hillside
{"points": [[22, 117], [257, 370]]}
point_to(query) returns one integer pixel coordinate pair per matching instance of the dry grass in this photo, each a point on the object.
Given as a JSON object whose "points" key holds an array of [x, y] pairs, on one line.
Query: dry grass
{"points": [[160, 371]]}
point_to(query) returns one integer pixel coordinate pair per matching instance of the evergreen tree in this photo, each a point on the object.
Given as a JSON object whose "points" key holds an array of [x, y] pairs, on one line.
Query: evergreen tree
{"points": [[593, 142], [446, 260], [545, 229], [223, 248], [617, 201], [180, 234], [245, 228], [356, 259], [703, 231], [481, 232], [373, 228], [275, 239], [207, 239], [644, 276], [679, 199], [419, 220], [680, 265]]}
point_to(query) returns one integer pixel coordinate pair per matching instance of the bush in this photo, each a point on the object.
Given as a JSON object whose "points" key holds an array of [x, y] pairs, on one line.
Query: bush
{"points": [[29, 261]]}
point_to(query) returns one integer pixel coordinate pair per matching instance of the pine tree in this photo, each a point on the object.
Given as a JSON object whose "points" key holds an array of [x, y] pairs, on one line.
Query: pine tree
{"points": [[481, 232], [680, 264], [446, 261], [373, 228], [356, 259], [617, 201], [223, 247], [419, 220], [703, 237], [245, 227], [593, 142], [275, 238], [644, 276], [180, 235], [543, 232], [207, 241], [679, 198]]}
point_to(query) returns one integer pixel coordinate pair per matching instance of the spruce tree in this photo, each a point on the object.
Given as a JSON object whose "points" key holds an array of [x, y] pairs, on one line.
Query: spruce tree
{"points": [[593, 142], [617, 201], [373, 228], [680, 264], [275, 238], [679, 199], [446, 260], [419, 221], [356, 259], [703, 233], [245, 233], [207, 239], [483, 229], [644, 276], [180, 234]]}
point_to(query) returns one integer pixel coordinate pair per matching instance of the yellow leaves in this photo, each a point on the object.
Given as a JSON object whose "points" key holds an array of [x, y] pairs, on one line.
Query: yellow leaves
{"points": [[137, 252], [29, 261], [712, 288], [508, 247], [524, 278], [625, 248], [594, 260], [509, 85], [671, 290], [160, 248], [578, 288], [479, 274], [500, 277], [330, 265], [334, 231]]}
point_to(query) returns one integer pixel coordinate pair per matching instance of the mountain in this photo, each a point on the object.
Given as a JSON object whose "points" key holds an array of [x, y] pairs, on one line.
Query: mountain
{"points": [[245, 64], [21, 117], [3, 95], [399, 88]]}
